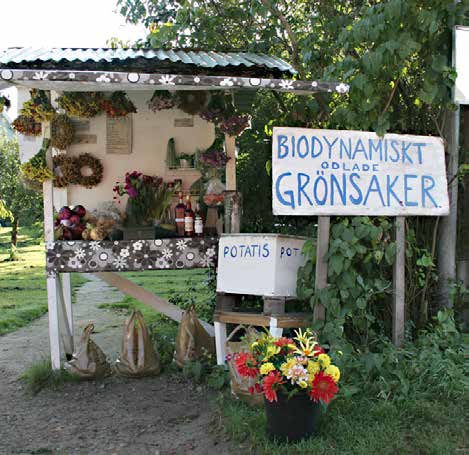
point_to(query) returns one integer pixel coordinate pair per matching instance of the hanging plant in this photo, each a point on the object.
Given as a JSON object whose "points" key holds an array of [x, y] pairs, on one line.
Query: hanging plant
{"points": [[4, 103], [81, 104], [36, 168], [192, 101], [26, 125], [74, 172], [62, 131], [214, 158], [235, 124], [38, 107], [161, 99], [118, 105]]}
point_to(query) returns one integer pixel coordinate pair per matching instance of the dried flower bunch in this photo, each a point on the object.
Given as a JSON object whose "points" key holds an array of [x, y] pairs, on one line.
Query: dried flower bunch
{"points": [[38, 107], [36, 168], [214, 158], [161, 99], [81, 104], [27, 125], [118, 105], [62, 131]]}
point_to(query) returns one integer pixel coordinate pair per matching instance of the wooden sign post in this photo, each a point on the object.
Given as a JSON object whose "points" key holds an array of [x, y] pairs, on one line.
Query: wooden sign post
{"points": [[328, 172]]}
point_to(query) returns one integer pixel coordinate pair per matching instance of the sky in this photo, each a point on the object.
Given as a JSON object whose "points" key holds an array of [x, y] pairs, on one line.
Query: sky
{"points": [[61, 23]]}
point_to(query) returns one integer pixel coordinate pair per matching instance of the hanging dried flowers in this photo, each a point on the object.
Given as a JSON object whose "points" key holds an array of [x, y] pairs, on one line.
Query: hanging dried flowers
{"points": [[88, 161], [192, 101], [81, 104], [235, 124], [161, 99], [36, 168], [26, 125], [60, 162], [118, 105], [214, 158], [38, 107], [62, 131]]}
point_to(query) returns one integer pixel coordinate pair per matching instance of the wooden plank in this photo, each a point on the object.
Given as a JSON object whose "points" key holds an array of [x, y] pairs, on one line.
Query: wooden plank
{"points": [[230, 145], [162, 306], [274, 305], [220, 342], [322, 247], [288, 320], [398, 304]]}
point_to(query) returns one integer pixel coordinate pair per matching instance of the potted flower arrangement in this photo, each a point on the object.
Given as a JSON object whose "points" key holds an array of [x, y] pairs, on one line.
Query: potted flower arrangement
{"points": [[295, 375], [148, 197]]}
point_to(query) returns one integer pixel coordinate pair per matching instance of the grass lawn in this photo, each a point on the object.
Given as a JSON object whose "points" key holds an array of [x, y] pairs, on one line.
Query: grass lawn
{"points": [[361, 427], [23, 295]]}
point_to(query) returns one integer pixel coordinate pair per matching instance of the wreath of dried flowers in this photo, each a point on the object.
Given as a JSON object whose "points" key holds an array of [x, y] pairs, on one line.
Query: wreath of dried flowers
{"points": [[161, 99], [192, 101], [38, 107], [72, 170], [62, 131], [118, 105], [26, 125], [59, 162], [81, 104]]}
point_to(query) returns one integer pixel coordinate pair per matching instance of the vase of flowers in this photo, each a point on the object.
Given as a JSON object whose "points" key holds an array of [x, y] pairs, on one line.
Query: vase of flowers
{"points": [[148, 198], [295, 375]]}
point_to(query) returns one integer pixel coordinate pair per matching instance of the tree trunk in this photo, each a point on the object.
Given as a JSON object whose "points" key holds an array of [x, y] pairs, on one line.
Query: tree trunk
{"points": [[14, 231], [448, 224]]}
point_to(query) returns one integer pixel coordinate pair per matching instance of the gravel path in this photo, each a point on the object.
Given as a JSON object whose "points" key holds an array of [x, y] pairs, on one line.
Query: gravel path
{"points": [[166, 415]]}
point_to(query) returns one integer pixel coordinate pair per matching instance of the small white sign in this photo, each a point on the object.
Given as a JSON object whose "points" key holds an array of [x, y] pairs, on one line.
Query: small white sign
{"points": [[461, 87], [331, 172]]}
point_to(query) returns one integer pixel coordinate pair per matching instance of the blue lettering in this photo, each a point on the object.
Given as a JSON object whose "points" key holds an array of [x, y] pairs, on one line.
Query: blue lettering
{"points": [[233, 248], [394, 147], [315, 190], [289, 193], [359, 148], [405, 154], [374, 188], [390, 186], [330, 145], [342, 191], [282, 141], [419, 146], [343, 148], [303, 140], [426, 189], [408, 188], [301, 188], [226, 250], [265, 250], [375, 149], [358, 199], [314, 140]]}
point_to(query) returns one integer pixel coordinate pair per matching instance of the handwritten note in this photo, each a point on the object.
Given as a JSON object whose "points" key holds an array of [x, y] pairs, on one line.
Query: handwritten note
{"points": [[119, 135]]}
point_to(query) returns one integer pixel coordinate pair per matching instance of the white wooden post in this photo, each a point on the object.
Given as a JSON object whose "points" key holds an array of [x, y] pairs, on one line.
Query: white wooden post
{"points": [[322, 247], [274, 330], [398, 304], [230, 146], [220, 342]]}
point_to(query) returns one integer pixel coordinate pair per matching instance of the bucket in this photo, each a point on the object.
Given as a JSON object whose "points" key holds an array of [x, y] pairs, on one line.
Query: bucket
{"points": [[291, 420]]}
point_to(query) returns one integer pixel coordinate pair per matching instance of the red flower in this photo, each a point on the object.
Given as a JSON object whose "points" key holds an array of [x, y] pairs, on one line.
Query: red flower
{"points": [[323, 388], [268, 384], [283, 341], [246, 364], [318, 350]]}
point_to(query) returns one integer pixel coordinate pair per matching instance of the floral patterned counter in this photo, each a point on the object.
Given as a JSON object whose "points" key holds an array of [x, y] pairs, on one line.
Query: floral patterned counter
{"points": [[130, 255]]}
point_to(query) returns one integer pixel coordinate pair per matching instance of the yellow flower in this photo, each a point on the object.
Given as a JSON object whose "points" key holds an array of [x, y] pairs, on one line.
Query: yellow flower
{"points": [[271, 350], [333, 372], [324, 360], [266, 368], [303, 384], [313, 368], [285, 367]]}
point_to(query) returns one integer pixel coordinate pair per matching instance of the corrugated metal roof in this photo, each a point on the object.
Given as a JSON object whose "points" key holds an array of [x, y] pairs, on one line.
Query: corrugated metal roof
{"points": [[203, 59]]}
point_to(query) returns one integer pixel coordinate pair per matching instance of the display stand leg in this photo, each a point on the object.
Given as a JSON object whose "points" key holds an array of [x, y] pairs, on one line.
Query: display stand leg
{"points": [[65, 315], [273, 329], [220, 342], [54, 332], [274, 307]]}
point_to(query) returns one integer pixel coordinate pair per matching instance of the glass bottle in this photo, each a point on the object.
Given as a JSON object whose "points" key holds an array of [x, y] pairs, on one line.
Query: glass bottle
{"points": [[188, 219], [179, 215]]}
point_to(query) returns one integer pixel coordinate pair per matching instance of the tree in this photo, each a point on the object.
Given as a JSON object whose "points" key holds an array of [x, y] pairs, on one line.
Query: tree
{"points": [[17, 202]]}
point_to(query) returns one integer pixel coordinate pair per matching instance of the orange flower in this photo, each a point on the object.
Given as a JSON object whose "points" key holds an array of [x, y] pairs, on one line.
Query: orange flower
{"points": [[323, 388], [246, 365], [270, 381]]}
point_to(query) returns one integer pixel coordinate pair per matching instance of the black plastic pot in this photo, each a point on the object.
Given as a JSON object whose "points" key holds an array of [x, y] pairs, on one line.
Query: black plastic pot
{"points": [[294, 419]]}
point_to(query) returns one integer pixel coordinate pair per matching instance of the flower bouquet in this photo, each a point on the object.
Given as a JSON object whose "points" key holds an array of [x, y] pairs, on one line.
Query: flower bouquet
{"points": [[38, 107], [295, 375]]}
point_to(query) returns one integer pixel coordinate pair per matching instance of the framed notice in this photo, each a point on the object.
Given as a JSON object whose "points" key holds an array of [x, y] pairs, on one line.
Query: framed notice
{"points": [[119, 135], [330, 172]]}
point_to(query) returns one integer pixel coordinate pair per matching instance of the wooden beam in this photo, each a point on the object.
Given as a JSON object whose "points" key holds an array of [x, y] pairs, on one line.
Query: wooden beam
{"points": [[322, 247], [134, 290], [284, 321], [398, 304]]}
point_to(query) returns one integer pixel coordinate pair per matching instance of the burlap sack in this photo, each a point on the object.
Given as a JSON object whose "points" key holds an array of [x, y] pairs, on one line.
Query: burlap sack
{"points": [[192, 340], [240, 385], [89, 361], [138, 357]]}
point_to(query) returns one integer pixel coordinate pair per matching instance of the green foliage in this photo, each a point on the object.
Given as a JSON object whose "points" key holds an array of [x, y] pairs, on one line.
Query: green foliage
{"points": [[205, 371], [41, 375], [360, 257]]}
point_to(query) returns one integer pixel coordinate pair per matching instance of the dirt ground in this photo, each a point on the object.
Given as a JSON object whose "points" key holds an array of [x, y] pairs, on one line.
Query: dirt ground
{"points": [[166, 415]]}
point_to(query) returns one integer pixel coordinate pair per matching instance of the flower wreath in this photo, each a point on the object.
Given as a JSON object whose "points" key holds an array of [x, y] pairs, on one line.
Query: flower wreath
{"points": [[71, 169], [62, 131], [60, 162]]}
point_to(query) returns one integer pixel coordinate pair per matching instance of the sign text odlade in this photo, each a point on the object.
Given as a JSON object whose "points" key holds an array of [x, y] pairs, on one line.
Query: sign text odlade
{"points": [[328, 172]]}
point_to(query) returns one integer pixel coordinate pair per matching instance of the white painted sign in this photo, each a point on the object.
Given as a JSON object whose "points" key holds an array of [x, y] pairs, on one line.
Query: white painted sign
{"points": [[259, 264], [461, 87], [330, 172]]}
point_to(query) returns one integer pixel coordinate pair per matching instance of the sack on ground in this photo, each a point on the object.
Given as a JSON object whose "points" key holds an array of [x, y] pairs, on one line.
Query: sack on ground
{"points": [[138, 356], [192, 340], [242, 387], [89, 361]]}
